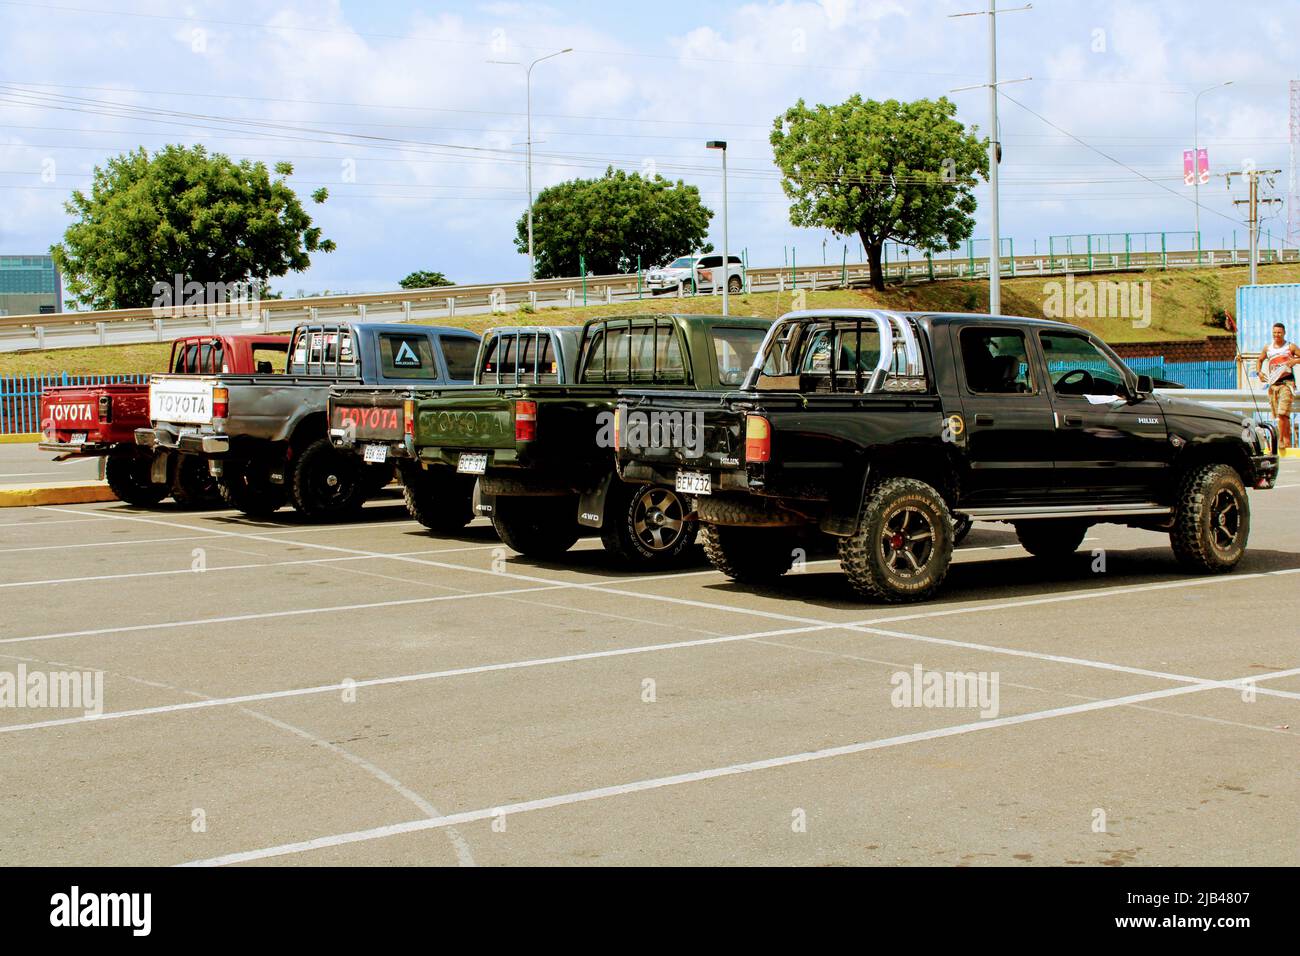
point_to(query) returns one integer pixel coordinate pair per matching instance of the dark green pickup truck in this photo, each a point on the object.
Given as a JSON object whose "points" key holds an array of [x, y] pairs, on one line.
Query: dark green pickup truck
{"points": [[543, 450]]}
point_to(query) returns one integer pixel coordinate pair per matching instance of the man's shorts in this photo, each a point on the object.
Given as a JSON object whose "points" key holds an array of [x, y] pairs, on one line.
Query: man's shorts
{"points": [[1279, 399]]}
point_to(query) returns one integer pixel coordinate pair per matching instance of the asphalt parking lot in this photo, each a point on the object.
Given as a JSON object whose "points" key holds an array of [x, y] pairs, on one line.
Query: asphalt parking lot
{"points": [[368, 693]]}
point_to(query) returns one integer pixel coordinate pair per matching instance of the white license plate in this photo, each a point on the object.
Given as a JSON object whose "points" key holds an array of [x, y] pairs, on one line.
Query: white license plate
{"points": [[376, 454], [473, 463], [694, 483], [78, 438]]}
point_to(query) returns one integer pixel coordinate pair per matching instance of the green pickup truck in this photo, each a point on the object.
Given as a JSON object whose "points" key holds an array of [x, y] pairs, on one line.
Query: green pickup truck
{"points": [[543, 451]]}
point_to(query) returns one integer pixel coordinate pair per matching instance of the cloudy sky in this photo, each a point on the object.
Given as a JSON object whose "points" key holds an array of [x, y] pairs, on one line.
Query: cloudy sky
{"points": [[397, 108]]}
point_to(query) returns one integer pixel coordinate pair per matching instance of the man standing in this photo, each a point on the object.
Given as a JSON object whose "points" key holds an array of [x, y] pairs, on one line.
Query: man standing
{"points": [[1277, 370]]}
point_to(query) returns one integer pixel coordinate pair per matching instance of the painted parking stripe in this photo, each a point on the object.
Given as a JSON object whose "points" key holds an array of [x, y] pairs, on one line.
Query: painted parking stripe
{"points": [[698, 776]]}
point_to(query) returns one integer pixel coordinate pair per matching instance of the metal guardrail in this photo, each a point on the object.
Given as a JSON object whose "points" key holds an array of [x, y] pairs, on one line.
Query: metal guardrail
{"points": [[126, 326]]}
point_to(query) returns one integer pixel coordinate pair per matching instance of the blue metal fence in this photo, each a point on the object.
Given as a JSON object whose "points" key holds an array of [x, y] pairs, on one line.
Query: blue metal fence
{"points": [[20, 396]]}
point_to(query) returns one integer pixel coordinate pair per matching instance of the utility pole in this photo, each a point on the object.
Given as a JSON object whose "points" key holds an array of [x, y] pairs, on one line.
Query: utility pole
{"points": [[721, 145], [1253, 203], [995, 151]]}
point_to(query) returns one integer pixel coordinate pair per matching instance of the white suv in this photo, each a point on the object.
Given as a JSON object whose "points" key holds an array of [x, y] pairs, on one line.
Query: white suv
{"points": [[696, 274]]}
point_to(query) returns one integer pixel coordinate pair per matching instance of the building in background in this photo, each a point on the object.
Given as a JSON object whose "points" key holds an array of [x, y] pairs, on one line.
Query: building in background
{"points": [[29, 285]]}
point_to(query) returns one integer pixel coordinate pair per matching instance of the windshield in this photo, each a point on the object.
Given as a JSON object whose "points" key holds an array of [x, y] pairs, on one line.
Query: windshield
{"points": [[683, 263]]}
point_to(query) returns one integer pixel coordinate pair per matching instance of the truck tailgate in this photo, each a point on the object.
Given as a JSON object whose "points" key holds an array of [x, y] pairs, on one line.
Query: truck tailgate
{"points": [[482, 419], [181, 400], [691, 430], [369, 414], [100, 413]]}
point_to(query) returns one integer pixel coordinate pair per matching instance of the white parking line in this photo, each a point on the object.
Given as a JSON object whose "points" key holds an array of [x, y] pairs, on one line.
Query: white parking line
{"points": [[228, 567], [753, 766]]}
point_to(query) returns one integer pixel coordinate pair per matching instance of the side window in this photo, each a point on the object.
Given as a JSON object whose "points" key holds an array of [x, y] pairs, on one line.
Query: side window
{"points": [[406, 356], [460, 353], [995, 361], [1077, 367], [268, 359], [734, 350], [709, 262]]}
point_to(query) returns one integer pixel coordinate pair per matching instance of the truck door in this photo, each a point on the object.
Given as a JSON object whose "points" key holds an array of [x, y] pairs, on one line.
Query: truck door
{"points": [[1007, 416], [1106, 445]]}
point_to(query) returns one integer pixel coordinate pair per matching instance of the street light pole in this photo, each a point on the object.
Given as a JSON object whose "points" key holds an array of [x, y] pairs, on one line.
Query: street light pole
{"points": [[726, 258], [528, 83], [1196, 158], [995, 252]]}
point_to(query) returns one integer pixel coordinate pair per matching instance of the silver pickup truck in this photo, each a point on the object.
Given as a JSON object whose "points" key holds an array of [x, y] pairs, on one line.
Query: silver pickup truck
{"points": [[265, 437]]}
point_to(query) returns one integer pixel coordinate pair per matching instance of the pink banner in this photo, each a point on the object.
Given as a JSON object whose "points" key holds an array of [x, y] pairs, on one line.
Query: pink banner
{"points": [[1189, 176], [1203, 166]]}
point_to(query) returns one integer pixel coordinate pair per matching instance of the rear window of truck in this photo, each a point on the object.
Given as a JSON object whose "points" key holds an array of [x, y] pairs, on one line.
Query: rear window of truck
{"points": [[734, 350], [268, 359], [460, 352], [530, 357], [640, 354], [406, 356]]}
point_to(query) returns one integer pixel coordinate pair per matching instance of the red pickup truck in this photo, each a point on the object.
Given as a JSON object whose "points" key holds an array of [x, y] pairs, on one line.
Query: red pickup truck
{"points": [[100, 420]]}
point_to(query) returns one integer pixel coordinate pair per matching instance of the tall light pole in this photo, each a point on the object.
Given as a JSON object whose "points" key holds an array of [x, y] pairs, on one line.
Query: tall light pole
{"points": [[1196, 157], [726, 258], [995, 150], [528, 83]]}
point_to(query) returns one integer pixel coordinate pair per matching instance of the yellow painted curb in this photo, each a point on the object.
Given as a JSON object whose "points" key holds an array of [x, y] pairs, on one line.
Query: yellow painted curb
{"points": [[20, 439], [1291, 452], [55, 495]]}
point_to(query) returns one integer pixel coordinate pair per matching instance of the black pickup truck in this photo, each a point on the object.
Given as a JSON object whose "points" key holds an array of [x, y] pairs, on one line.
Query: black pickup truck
{"points": [[887, 430], [543, 450]]}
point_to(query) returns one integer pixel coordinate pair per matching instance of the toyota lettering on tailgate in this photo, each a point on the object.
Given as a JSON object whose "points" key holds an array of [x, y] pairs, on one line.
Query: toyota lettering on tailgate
{"points": [[182, 404], [367, 421], [81, 412]]}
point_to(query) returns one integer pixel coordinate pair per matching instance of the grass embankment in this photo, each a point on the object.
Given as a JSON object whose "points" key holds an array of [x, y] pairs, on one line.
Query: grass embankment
{"points": [[1183, 303]]}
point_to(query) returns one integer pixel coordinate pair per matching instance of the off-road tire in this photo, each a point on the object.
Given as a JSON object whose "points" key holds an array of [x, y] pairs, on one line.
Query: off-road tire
{"points": [[749, 555], [327, 483], [1211, 519], [872, 555], [438, 498], [193, 485], [646, 524], [246, 486], [1051, 538], [539, 526], [129, 478]]}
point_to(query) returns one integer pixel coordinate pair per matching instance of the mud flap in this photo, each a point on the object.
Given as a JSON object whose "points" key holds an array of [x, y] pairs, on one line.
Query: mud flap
{"points": [[158, 468], [841, 519], [484, 504], [591, 504]]}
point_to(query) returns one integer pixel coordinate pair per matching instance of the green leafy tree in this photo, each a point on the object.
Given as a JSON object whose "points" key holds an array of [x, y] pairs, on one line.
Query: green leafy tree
{"points": [[611, 221], [891, 170], [182, 212], [421, 279]]}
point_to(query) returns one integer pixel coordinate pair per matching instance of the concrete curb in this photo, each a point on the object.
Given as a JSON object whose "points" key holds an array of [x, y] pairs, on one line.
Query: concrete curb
{"points": [[55, 494]]}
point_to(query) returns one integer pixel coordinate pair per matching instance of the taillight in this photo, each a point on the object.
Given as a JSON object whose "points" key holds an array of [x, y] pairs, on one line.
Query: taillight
{"points": [[106, 408], [525, 421], [618, 427], [408, 416], [220, 402], [758, 439]]}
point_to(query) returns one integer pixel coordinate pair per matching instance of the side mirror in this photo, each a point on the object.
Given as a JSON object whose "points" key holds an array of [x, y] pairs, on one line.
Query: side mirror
{"points": [[1145, 385]]}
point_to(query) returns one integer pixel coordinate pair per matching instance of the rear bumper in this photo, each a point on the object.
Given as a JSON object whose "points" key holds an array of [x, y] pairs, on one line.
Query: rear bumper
{"points": [[398, 448], [193, 443], [88, 449], [660, 474]]}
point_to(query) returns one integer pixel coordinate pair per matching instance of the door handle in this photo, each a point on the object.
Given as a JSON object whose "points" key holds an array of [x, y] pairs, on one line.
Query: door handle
{"points": [[1072, 419], [983, 419]]}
